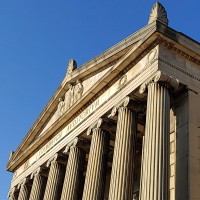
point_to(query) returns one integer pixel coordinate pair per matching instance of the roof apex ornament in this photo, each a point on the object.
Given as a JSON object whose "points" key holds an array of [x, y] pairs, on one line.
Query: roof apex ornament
{"points": [[159, 13], [71, 66]]}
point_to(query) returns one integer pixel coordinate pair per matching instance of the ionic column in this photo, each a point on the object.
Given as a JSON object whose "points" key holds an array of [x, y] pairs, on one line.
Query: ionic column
{"points": [[122, 174], [13, 194], [24, 192], [39, 183], [74, 172], [97, 162], [55, 178], [154, 167]]}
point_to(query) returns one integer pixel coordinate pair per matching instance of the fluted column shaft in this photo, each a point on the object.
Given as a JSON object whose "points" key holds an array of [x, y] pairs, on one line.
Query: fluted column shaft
{"points": [[96, 168], [12, 197], [121, 183], [38, 187], [13, 194], [74, 174], [24, 192], [54, 181], [154, 170]]}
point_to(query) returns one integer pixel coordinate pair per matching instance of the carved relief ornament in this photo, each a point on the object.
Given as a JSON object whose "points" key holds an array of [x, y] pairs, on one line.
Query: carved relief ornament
{"points": [[161, 78], [159, 13], [73, 94]]}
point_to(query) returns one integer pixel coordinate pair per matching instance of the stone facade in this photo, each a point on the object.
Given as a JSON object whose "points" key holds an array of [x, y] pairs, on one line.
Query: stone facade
{"points": [[124, 126]]}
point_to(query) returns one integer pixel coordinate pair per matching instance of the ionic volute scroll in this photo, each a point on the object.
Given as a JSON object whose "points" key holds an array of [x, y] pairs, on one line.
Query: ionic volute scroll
{"points": [[60, 158], [24, 182], [39, 171], [161, 78], [12, 192], [76, 142], [127, 102], [99, 124]]}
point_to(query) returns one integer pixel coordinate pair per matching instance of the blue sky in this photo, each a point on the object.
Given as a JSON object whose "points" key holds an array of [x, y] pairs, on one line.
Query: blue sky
{"points": [[38, 37]]}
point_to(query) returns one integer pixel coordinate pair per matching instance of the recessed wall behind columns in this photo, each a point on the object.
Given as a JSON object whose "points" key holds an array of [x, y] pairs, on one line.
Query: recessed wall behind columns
{"points": [[194, 145], [182, 148]]}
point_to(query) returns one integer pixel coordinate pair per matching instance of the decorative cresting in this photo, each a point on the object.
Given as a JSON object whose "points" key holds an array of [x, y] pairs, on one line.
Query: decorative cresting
{"points": [[72, 65], [55, 178], [97, 163], [154, 171], [73, 181], [159, 13], [121, 183], [13, 194], [24, 192], [39, 183]]}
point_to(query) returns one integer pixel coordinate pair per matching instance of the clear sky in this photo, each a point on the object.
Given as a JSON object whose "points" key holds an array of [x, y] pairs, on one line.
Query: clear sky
{"points": [[38, 37]]}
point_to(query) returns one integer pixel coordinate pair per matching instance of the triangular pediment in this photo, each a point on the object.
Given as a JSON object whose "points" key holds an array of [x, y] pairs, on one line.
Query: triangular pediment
{"points": [[81, 85], [78, 88]]}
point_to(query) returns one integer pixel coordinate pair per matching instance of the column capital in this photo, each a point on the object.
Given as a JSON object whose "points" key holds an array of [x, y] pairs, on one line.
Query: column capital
{"points": [[100, 123], [12, 191], [127, 102], [23, 182], [57, 158], [76, 142], [160, 77], [40, 170]]}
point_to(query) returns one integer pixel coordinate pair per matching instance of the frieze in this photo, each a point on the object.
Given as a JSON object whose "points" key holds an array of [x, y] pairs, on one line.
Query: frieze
{"points": [[171, 46], [179, 69]]}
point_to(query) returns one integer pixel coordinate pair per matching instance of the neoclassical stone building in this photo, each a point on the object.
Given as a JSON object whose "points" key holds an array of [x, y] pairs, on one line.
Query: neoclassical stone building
{"points": [[124, 126]]}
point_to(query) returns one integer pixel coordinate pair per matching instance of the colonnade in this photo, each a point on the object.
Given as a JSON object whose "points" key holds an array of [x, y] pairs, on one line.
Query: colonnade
{"points": [[65, 177]]}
